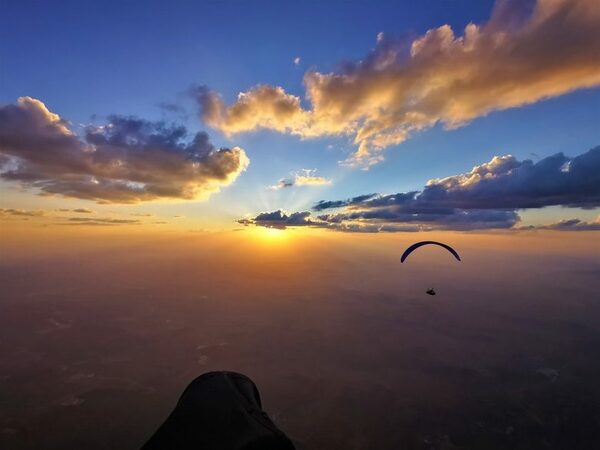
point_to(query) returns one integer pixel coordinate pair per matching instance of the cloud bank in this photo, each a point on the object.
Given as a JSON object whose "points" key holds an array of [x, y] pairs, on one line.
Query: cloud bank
{"points": [[128, 160], [487, 197], [525, 53]]}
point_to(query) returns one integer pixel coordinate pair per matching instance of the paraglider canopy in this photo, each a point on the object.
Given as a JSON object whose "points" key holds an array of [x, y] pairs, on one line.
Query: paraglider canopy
{"points": [[415, 246]]}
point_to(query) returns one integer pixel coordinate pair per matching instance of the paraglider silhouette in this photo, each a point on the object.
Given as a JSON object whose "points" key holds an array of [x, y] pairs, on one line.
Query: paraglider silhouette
{"points": [[415, 246]]}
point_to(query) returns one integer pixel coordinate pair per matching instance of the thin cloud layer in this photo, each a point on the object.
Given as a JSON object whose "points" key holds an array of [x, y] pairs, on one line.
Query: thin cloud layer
{"points": [[22, 212], [569, 225], [128, 160], [525, 53], [305, 177], [487, 197], [89, 217], [101, 221]]}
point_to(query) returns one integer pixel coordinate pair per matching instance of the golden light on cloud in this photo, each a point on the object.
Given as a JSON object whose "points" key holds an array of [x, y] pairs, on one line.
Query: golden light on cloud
{"points": [[449, 78]]}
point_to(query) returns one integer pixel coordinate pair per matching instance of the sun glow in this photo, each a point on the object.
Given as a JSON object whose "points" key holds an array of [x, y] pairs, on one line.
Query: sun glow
{"points": [[270, 236]]}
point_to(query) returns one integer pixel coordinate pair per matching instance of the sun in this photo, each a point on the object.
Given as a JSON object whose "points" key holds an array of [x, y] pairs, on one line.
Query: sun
{"points": [[270, 236]]}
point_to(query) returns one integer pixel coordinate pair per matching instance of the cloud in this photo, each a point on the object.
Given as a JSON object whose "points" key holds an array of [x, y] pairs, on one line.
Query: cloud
{"points": [[525, 53], [426, 219], [569, 225], [503, 182], [328, 204], [99, 221], [171, 107], [77, 210], [22, 212], [127, 160], [279, 219], [456, 220], [305, 177], [282, 184], [487, 197]]}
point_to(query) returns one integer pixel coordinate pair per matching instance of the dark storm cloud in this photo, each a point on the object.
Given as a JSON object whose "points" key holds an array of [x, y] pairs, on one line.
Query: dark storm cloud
{"points": [[128, 160]]}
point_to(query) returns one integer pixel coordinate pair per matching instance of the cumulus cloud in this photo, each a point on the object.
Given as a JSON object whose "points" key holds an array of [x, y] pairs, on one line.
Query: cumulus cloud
{"points": [[305, 177], [525, 53], [127, 160], [487, 197], [503, 182], [279, 219]]}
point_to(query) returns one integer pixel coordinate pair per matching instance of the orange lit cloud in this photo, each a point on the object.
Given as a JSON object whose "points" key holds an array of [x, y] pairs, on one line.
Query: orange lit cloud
{"points": [[518, 57], [127, 160]]}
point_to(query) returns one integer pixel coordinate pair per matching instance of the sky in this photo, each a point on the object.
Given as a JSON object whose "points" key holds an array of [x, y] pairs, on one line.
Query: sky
{"points": [[228, 185], [314, 102]]}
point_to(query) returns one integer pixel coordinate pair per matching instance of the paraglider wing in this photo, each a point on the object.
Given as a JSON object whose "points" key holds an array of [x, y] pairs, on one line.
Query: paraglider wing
{"points": [[413, 247]]}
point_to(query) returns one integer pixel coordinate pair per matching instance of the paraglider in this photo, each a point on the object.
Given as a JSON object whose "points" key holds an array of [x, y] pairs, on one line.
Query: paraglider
{"points": [[415, 246]]}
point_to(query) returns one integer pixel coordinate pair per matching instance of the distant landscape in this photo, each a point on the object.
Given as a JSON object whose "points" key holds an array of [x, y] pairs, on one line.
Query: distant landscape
{"points": [[504, 356]]}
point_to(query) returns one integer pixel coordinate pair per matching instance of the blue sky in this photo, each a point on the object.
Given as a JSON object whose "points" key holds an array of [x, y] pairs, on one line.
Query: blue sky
{"points": [[89, 60]]}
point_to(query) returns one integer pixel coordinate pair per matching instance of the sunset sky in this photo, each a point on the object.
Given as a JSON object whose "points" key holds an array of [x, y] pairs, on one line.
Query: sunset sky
{"points": [[408, 116], [195, 186]]}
